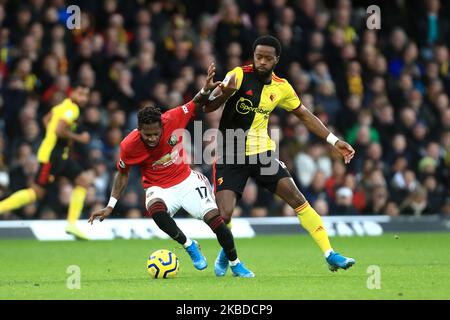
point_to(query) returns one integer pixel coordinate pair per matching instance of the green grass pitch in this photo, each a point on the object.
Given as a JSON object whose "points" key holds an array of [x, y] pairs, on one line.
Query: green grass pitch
{"points": [[414, 266]]}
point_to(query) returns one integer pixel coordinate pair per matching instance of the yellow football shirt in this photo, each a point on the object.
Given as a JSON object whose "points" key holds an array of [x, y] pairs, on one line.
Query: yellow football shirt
{"points": [[249, 108], [67, 111]]}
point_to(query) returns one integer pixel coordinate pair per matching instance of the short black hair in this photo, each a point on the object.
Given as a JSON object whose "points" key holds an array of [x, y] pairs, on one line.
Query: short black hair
{"points": [[78, 84], [268, 41], [149, 115]]}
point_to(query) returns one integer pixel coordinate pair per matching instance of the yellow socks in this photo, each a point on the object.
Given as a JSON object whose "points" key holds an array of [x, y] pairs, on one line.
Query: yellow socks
{"points": [[312, 222], [76, 204], [26, 196], [18, 200]]}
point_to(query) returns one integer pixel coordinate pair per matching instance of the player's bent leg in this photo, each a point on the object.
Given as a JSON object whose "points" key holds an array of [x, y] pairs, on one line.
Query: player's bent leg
{"points": [[157, 209], [226, 202], [228, 255], [228, 252], [84, 179], [21, 198], [39, 191], [312, 222], [17, 200], [82, 182]]}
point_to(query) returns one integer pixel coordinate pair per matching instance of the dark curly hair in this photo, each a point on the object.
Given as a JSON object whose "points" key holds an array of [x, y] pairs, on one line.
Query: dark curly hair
{"points": [[149, 115], [268, 41]]}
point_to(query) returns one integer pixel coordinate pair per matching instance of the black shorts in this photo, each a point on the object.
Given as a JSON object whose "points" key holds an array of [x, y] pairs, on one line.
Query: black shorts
{"points": [[47, 172], [234, 177]]}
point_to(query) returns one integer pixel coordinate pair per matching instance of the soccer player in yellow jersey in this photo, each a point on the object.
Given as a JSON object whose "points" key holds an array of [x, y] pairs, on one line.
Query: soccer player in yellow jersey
{"points": [[53, 157], [249, 94]]}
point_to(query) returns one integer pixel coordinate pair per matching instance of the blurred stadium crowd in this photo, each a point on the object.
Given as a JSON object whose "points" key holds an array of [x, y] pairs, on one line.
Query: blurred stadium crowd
{"points": [[385, 91]]}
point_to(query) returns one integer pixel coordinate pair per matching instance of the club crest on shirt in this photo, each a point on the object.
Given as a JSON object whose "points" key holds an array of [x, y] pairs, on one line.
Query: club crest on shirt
{"points": [[167, 159], [272, 97], [173, 140]]}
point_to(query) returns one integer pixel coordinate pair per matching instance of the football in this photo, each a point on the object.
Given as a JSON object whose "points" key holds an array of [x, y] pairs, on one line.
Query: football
{"points": [[163, 264]]}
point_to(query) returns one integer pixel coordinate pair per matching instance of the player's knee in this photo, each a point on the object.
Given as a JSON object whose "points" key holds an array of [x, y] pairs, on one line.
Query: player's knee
{"points": [[215, 222], [226, 219], [39, 191], [226, 215], [85, 179], [295, 199], [155, 206], [226, 210], [226, 202], [297, 203]]}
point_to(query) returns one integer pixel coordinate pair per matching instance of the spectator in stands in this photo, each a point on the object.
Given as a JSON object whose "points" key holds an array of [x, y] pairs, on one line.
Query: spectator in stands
{"points": [[316, 190], [322, 207], [378, 201], [432, 26], [416, 203], [344, 202], [309, 162]]}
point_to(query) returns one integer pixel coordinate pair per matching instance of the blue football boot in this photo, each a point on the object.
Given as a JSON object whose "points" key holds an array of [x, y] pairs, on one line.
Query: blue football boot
{"points": [[240, 270], [336, 261], [196, 255], [221, 264]]}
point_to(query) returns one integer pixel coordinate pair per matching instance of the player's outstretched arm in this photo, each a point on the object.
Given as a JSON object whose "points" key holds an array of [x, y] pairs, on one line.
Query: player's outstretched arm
{"points": [[316, 126], [119, 184], [203, 95]]}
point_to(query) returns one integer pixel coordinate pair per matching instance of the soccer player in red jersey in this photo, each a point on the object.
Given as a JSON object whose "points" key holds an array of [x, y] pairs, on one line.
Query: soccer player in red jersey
{"points": [[169, 183]]}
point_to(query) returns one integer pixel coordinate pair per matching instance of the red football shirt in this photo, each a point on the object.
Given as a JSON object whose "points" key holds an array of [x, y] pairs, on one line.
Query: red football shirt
{"points": [[164, 165]]}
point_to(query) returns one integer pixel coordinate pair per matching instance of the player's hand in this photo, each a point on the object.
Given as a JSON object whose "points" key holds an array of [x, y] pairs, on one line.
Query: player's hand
{"points": [[210, 84], [101, 214], [84, 138], [345, 150]]}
